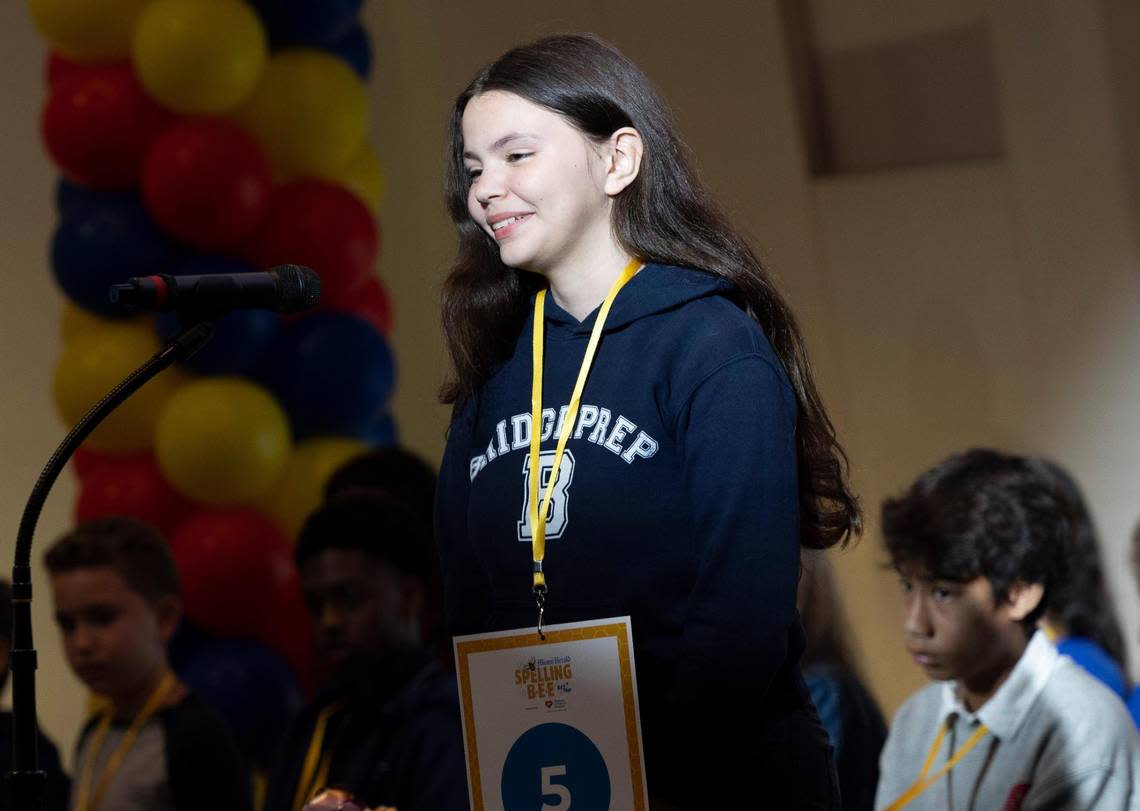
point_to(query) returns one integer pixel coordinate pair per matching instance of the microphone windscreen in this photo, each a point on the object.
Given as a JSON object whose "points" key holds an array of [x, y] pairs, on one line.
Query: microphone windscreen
{"points": [[299, 287]]}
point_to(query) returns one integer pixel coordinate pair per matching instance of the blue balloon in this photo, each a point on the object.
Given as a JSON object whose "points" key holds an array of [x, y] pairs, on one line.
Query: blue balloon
{"points": [[72, 198], [68, 196], [332, 372], [382, 433], [307, 22], [241, 338], [187, 639], [106, 240], [355, 48], [248, 685]]}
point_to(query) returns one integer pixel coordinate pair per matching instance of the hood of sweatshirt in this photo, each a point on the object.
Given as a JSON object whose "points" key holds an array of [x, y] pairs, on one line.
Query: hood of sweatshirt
{"points": [[655, 289]]}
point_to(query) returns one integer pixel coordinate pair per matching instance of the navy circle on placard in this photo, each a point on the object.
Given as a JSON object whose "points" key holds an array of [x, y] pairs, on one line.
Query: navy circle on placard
{"points": [[555, 766]]}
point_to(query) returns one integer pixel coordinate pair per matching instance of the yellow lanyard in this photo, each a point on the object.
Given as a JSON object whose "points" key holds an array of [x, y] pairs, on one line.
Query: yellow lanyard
{"points": [[315, 771], [538, 527], [922, 783], [87, 800]]}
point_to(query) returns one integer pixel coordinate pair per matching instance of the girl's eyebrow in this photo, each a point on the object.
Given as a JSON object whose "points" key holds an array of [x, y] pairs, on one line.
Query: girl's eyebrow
{"points": [[499, 144]]}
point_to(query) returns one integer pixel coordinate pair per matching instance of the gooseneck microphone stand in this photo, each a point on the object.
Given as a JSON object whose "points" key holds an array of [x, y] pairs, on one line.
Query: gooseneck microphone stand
{"points": [[26, 781]]}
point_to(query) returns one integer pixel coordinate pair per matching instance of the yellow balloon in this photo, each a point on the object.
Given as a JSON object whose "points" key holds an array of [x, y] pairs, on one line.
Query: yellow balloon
{"points": [[301, 487], [93, 364], [200, 56], [309, 112], [363, 175], [75, 321], [88, 30], [222, 440]]}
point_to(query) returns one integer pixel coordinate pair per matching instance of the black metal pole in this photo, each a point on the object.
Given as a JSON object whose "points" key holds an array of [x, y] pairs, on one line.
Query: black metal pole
{"points": [[26, 781]]}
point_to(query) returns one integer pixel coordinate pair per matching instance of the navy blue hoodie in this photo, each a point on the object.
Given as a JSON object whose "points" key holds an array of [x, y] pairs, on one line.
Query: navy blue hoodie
{"points": [[677, 504]]}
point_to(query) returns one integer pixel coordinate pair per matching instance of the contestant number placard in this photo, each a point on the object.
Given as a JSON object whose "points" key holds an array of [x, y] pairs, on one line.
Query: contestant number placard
{"points": [[552, 725]]}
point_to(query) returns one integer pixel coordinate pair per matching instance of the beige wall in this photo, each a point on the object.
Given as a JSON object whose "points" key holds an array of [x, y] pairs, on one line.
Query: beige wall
{"points": [[944, 307], [841, 24], [29, 344]]}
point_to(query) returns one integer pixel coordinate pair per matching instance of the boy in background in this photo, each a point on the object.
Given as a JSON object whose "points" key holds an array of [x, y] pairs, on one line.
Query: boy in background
{"points": [[401, 474], [1009, 723], [386, 725], [155, 745]]}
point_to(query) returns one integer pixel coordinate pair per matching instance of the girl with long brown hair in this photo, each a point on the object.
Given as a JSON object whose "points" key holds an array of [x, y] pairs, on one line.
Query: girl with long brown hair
{"points": [[694, 458]]}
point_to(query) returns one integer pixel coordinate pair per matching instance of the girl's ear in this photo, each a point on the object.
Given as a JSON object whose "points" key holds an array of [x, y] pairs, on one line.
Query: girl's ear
{"points": [[625, 152]]}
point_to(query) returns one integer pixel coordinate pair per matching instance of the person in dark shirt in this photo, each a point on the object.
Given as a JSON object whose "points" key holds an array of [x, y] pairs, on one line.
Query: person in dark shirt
{"points": [[401, 474], [677, 481], [385, 727], [154, 744], [849, 713], [57, 786]]}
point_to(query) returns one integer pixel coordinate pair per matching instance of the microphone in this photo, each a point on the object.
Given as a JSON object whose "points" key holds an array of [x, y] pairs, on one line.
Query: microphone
{"points": [[285, 288]]}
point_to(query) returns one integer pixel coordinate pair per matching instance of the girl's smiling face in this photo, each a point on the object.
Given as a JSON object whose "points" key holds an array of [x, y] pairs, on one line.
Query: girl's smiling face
{"points": [[538, 184]]}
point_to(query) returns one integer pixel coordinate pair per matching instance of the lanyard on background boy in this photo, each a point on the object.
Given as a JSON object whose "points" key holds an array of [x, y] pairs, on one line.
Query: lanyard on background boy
{"points": [[922, 782], [90, 800]]}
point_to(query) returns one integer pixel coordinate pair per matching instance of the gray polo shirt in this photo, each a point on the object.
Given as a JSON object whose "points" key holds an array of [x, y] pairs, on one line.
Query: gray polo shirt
{"points": [[1058, 739], [141, 784]]}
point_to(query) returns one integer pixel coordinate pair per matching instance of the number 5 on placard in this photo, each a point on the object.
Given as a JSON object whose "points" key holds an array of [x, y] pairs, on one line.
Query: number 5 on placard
{"points": [[557, 789]]}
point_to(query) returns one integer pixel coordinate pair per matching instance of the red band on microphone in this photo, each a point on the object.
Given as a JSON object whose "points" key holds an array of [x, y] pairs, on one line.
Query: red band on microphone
{"points": [[160, 290]]}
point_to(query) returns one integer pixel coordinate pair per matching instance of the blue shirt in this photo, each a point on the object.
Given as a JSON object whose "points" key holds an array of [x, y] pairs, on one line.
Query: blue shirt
{"points": [[1093, 658]]}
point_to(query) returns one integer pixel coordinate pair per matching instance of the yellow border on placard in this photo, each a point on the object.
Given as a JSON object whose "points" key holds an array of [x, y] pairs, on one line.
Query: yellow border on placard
{"points": [[617, 630]]}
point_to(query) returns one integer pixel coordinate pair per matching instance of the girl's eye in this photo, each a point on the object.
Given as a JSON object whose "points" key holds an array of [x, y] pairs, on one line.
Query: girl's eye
{"points": [[515, 157], [942, 594], [473, 173]]}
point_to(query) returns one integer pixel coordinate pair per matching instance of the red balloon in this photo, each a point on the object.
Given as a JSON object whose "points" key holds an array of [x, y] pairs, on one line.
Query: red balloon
{"points": [[59, 66], [98, 123], [370, 301], [236, 568], [85, 460], [321, 225], [206, 183], [132, 487], [290, 634]]}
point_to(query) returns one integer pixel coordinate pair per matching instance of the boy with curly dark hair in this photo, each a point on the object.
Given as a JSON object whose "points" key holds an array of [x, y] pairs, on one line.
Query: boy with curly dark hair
{"points": [[1009, 723]]}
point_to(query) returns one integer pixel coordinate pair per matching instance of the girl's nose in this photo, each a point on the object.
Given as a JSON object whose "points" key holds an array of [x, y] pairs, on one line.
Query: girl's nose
{"points": [[487, 187]]}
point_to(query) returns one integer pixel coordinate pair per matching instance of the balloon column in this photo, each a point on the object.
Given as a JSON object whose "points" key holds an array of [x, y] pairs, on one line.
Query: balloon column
{"points": [[220, 136]]}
